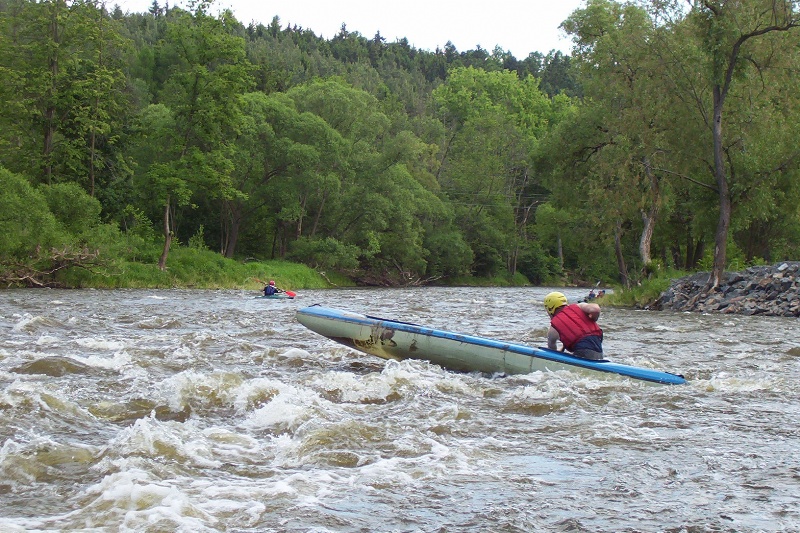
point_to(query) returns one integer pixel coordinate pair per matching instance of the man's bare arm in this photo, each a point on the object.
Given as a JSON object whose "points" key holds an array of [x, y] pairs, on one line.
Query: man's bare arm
{"points": [[591, 310]]}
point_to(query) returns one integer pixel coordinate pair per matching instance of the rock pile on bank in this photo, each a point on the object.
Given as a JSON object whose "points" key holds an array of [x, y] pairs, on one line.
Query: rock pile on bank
{"points": [[761, 290]]}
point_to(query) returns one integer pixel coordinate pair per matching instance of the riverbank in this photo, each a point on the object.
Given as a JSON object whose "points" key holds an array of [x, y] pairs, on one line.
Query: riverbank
{"points": [[759, 290]]}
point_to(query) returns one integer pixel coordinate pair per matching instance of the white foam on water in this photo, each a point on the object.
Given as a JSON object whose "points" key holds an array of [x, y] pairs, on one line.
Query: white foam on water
{"points": [[47, 340], [426, 460], [23, 322], [606, 430], [546, 390], [33, 396], [99, 343], [182, 352], [354, 389], [9, 466], [134, 499], [169, 441], [239, 506], [726, 382], [403, 378], [284, 413], [233, 447], [26, 461], [29, 323], [118, 361], [395, 445], [296, 353], [191, 387]]}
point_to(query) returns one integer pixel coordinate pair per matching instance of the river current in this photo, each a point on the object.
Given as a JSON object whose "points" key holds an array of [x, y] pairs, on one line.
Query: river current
{"points": [[206, 411]]}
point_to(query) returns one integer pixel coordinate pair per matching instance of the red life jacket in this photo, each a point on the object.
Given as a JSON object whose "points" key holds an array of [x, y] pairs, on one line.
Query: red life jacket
{"points": [[573, 325]]}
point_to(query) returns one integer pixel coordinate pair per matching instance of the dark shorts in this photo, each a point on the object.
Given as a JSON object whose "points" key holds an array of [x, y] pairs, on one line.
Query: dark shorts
{"points": [[584, 353], [589, 348]]}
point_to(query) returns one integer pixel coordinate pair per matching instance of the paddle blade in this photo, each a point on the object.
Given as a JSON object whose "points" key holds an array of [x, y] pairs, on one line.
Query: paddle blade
{"points": [[290, 294]]}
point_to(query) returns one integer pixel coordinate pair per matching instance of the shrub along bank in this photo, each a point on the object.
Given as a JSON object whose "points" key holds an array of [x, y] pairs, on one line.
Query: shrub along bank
{"points": [[199, 269]]}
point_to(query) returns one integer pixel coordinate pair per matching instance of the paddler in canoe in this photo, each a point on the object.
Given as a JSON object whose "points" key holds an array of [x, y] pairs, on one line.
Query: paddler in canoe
{"points": [[575, 326], [270, 289]]}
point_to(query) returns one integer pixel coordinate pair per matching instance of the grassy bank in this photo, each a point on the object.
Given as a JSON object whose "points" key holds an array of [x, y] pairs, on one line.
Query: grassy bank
{"points": [[201, 269], [644, 294]]}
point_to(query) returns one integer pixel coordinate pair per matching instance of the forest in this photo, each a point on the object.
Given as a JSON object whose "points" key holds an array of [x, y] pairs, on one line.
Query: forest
{"points": [[666, 140]]}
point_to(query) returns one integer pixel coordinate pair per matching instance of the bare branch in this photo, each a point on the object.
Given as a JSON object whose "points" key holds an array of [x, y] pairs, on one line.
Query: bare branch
{"points": [[687, 178]]}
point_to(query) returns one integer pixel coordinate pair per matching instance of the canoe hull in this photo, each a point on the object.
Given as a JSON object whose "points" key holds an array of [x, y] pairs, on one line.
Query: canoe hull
{"points": [[280, 296], [392, 339]]}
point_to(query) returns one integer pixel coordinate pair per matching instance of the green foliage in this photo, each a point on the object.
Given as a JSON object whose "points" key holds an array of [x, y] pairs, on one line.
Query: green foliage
{"points": [[198, 240], [64, 88], [325, 254], [75, 210], [136, 223], [201, 269], [26, 223], [539, 267], [449, 255], [393, 165], [644, 294], [289, 275]]}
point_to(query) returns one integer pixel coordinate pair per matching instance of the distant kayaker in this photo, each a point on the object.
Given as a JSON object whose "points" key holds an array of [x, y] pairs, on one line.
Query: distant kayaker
{"points": [[575, 326], [271, 289]]}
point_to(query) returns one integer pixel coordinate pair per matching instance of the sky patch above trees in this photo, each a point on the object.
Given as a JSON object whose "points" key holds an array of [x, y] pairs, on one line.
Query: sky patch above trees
{"points": [[516, 26]]}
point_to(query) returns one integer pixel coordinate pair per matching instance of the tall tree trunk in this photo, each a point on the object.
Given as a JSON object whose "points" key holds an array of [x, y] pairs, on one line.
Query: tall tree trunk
{"points": [[621, 266], [92, 153], [318, 214], [649, 218], [690, 249], [50, 111], [298, 232], [724, 222], [694, 251], [233, 238], [275, 239], [677, 260], [781, 17], [49, 135], [162, 261], [560, 254], [522, 212], [95, 114], [232, 224], [649, 221]]}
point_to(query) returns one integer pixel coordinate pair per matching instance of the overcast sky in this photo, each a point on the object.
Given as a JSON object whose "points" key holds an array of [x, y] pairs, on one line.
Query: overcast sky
{"points": [[518, 26]]}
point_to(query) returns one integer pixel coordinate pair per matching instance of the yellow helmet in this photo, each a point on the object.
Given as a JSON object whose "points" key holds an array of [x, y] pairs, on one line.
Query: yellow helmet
{"points": [[553, 301]]}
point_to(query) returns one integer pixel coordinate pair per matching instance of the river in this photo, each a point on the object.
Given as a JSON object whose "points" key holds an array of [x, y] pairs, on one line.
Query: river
{"points": [[206, 411]]}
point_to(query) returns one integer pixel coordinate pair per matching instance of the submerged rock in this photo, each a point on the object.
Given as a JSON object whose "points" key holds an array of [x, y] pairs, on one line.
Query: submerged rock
{"points": [[761, 290]]}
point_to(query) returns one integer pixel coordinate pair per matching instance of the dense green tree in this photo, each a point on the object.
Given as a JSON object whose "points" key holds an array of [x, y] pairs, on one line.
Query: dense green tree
{"points": [[728, 59], [275, 144], [48, 229], [617, 139], [76, 211], [390, 178], [26, 223], [493, 120], [63, 82], [401, 165], [202, 97]]}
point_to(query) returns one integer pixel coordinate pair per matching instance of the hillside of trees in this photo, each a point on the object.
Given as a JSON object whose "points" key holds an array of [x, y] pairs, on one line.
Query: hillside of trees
{"points": [[664, 141]]}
